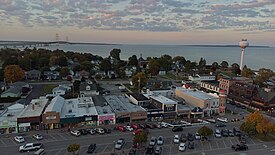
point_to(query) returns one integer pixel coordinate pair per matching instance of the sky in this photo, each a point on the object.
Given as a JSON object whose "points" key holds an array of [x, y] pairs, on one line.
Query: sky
{"points": [[140, 21]]}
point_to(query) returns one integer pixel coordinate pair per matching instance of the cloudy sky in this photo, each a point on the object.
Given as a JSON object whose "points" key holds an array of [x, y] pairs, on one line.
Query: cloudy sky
{"points": [[140, 21]]}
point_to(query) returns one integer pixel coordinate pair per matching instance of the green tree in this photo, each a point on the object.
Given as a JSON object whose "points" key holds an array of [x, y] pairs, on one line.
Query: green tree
{"points": [[13, 73], [64, 71], [181, 59], [43, 62], [105, 65], [86, 65], [132, 61], [202, 62], [215, 66], [235, 68], [62, 61], [224, 64], [263, 75], [73, 148], [115, 53], [139, 80], [205, 131], [247, 72], [25, 63], [165, 61], [53, 60]]}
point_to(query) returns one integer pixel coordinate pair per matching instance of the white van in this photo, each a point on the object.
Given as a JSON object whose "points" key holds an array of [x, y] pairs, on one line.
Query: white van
{"points": [[39, 152]]}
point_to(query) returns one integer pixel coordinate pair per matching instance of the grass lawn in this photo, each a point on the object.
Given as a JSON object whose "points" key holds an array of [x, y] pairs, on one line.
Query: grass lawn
{"points": [[47, 89], [131, 88], [266, 138]]}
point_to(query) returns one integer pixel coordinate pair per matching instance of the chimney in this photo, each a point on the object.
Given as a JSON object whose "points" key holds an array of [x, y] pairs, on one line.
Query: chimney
{"points": [[33, 107]]}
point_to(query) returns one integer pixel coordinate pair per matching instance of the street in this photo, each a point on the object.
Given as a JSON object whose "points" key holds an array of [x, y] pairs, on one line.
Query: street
{"points": [[56, 142]]}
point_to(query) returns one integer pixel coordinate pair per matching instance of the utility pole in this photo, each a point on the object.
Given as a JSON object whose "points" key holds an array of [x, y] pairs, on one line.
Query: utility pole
{"points": [[138, 84]]}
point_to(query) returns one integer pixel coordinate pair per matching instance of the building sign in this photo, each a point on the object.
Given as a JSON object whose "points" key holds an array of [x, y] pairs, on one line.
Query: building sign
{"points": [[88, 118], [106, 117], [50, 117], [24, 125]]}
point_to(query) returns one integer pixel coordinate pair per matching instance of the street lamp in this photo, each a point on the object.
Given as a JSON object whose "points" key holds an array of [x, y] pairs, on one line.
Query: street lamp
{"points": [[271, 111], [114, 147]]}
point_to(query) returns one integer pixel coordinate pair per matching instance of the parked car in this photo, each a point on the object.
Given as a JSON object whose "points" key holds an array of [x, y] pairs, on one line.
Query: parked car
{"points": [[30, 147], [37, 136], [176, 139], [137, 131], [99, 131], [160, 140], [83, 131], [158, 150], [75, 133], [190, 137], [164, 125], [242, 139], [218, 133], [91, 131], [240, 147], [211, 120], [150, 126], [153, 141], [183, 138], [236, 131], [222, 119], [91, 148], [220, 125], [19, 139], [182, 147], [230, 133], [119, 144], [120, 128], [128, 128], [156, 125], [224, 133], [132, 152], [243, 107], [238, 105], [191, 145], [142, 126], [135, 126], [150, 150], [107, 130], [177, 129], [197, 136]]}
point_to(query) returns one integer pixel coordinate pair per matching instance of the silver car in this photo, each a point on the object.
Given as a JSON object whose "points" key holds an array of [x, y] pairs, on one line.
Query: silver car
{"points": [[153, 141], [119, 144], [160, 140]]}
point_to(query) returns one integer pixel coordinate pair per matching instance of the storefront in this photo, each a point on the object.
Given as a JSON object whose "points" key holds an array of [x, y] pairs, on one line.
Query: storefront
{"points": [[106, 119]]}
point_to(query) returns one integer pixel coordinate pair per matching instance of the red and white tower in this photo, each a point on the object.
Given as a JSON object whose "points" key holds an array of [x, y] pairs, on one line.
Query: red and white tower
{"points": [[243, 44], [222, 102]]}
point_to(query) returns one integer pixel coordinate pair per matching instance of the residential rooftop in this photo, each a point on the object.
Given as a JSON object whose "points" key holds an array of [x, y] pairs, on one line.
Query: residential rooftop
{"points": [[56, 104], [35, 108]]}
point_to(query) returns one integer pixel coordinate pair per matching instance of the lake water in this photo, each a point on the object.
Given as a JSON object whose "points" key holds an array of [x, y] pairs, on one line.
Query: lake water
{"points": [[255, 57]]}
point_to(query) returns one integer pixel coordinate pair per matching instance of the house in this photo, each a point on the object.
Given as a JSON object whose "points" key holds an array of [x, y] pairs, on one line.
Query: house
{"points": [[264, 99], [83, 74], [60, 90], [67, 85], [162, 71], [12, 92], [51, 75], [142, 63], [196, 78], [212, 86], [111, 74], [33, 75], [225, 83], [158, 84], [88, 89], [129, 71]]}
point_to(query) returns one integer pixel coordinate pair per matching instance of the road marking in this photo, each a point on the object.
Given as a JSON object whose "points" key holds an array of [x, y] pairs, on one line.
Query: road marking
{"points": [[105, 147], [3, 143], [252, 141], [224, 144], [14, 142], [265, 146], [58, 151], [210, 146], [272, 150], [230, 141], [53, 137]]}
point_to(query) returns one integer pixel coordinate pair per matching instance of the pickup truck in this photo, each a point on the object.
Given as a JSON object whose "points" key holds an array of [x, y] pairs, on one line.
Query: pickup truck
{"points": [[30, 147], [240, 147]]}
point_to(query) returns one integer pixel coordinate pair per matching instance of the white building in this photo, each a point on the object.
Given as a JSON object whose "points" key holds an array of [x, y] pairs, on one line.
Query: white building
{"points": [[198, 78]]}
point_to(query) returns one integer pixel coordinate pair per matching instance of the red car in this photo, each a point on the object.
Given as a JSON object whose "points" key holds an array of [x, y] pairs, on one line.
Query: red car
{"points": [[120, 128], [134, 126], [137, 131]]}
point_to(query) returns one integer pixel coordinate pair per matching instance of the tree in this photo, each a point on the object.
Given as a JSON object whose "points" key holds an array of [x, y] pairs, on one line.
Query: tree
{"points": [[205, 131], [265, 126], [247, 72], [139, 80], [165, 61], [53, 60], [235, 68], [263, 75], [181, 59], [62, 61], [115, 53], [13, 73], [153, 67], [86, 65], [73, 148], [64, 71], [141, 138], [105, 65], [214, 66], [43, 62], [202, 63], [224, 64], [133, 61]]}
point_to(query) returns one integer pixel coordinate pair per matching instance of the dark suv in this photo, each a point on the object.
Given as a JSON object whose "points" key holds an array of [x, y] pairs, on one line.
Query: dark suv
{"points": [[240, 147], [177, 129], [91, 148]]}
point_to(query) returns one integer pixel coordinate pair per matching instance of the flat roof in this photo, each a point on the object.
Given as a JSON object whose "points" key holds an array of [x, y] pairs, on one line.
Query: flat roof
{"points": [[122, 104], [12, 112], [138, 97], [163, 99], [104, 110], [198, 94], [77, 107], [35, 108]]}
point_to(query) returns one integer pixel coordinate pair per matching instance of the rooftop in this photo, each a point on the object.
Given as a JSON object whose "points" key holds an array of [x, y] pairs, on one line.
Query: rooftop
{"points": [[56, 104], [12, 113], [122, 104], [137, 96], [163, 99], [35, 108], [198, 94]]}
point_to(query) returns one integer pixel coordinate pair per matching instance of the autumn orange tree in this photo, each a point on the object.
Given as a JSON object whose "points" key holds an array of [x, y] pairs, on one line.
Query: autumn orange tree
{"points": [[256, 123], [13, 73]]}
